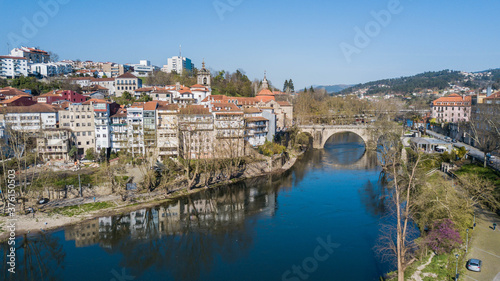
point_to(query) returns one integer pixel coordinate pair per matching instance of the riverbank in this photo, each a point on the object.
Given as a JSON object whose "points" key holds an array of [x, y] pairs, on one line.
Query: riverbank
{"points": [[52, 219]]}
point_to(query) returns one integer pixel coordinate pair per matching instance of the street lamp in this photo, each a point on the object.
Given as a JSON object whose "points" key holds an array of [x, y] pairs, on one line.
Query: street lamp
{"points": [[456, 269]]}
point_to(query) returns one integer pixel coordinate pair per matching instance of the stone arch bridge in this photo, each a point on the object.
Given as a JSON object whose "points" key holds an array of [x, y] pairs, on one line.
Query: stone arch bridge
{"points": [[321, 133]]}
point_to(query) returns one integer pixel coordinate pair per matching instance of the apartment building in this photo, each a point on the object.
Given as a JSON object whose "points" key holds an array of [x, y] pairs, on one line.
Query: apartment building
{"points": [[79, 118], [196, 132], [178, 64], [103, 110], [229, 126], [54, 144], [119, 137], [135, 129], [453, 108], [256, 126], [31, 118], [114, 69], [12, 67], [33, 55], [167, 137]]}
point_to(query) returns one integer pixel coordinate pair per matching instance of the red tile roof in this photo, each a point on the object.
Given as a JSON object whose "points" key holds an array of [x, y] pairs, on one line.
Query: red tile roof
{"points": [[255, 119], [127, 75], [493, 96], [36, 108], [453, 99], [150, 105], [194, 110], [265, 92], [11, 57]]}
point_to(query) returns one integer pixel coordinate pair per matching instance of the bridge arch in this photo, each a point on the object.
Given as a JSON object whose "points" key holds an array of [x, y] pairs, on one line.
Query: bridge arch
{"points": [[321, 133]]}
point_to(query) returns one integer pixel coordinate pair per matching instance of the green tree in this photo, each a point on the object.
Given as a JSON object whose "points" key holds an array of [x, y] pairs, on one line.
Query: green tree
{"points": [[286, 86], [90, 154], [73, 151]]}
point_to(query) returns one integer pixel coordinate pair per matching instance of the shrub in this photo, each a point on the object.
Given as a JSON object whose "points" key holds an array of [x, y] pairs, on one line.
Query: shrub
{"points": [[271, 148], [443, 237]]}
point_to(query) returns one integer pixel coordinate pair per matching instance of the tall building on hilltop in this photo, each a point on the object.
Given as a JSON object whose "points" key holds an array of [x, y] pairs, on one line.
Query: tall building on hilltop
{"points": [[33, 55], [178, 64]]}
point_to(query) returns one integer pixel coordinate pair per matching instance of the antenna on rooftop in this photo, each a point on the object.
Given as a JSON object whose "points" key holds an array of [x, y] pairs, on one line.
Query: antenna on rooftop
{"points": [[180, 51]]}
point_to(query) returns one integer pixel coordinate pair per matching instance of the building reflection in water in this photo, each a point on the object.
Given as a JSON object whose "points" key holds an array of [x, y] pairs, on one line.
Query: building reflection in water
{"points": [[190, 231]]}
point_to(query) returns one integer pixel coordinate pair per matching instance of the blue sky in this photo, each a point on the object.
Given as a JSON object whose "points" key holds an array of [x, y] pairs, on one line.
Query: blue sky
{"points": [[302, 40]]}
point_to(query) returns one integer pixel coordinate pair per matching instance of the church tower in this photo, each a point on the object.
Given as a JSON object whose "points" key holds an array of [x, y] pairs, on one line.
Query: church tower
{"points": [[204, 76], [265, 84]]}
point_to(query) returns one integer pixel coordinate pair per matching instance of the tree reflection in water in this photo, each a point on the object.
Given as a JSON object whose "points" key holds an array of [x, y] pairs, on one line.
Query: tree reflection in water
{"points": [[37, 257], [186, 236]]}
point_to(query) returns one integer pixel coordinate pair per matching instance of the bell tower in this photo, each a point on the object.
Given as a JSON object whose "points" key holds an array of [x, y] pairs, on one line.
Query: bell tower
{"points": [[204, 76], [265, 84]]}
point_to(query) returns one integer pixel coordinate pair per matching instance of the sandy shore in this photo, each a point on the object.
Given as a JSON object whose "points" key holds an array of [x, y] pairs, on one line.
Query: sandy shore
{"points": [[44, 221]]}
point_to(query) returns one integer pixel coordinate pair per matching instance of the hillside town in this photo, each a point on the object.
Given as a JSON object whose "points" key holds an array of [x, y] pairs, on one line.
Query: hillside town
{"points": [[178, 120], [83, 136]]}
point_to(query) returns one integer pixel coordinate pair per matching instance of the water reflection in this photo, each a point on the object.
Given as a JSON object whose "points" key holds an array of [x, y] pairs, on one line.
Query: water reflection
{"points": [[344, 149], [203, 235], [185, 236], [36, 256]]}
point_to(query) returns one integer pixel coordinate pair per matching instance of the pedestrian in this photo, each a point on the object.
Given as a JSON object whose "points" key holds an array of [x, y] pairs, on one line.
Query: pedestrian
{"points": [[494, 226], [94, 199]]}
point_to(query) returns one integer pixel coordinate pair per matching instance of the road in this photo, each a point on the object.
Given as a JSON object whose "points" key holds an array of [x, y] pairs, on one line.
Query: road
{"points": [[474, 152]]}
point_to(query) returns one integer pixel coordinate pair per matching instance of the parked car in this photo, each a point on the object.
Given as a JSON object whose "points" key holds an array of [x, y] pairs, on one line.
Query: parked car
{"points": [[454, 140], [42, 201], [474, 265]]}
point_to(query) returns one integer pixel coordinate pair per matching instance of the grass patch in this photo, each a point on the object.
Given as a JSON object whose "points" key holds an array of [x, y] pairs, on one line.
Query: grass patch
{"points": [[71, 211], [487, 172]]}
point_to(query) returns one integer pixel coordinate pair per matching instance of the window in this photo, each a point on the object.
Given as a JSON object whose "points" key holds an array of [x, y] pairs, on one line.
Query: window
{"points": [[77, 134], [79, 143], [98, 135], [78, 124], [83, 134]]}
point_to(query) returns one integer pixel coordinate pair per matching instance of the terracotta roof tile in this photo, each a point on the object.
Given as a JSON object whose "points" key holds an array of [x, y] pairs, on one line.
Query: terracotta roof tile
{"points": [[127, 75]]}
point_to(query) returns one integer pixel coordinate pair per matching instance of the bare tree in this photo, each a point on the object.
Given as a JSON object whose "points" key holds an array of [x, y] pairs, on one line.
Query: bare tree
{"points": [[484, 129], [479, 191], [402, 175]]}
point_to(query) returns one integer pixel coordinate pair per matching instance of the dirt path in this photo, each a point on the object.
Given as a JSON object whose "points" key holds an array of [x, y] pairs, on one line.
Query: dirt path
{"points": [[416, 275]]}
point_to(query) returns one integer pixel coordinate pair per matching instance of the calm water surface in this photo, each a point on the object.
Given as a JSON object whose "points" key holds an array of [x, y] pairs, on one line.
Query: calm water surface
{"points": [[318, 221]]}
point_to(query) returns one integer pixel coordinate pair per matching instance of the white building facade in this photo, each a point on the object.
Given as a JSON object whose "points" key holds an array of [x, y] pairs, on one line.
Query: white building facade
{"points": [[12, 67]]}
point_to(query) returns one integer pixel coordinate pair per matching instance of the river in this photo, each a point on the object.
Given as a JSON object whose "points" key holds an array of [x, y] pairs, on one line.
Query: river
{"points": [[318, 221]]}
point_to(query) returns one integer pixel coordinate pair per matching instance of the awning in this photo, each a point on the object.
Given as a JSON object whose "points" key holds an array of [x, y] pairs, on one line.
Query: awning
{"points": [[441, 147]]}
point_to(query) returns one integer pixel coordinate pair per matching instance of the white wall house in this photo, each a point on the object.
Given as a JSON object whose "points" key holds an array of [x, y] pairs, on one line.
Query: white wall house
{"points": [[51, 69], [43, 69], [12, 67], [102, 125], [33, 55], [31, 118], [108, 83]]}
